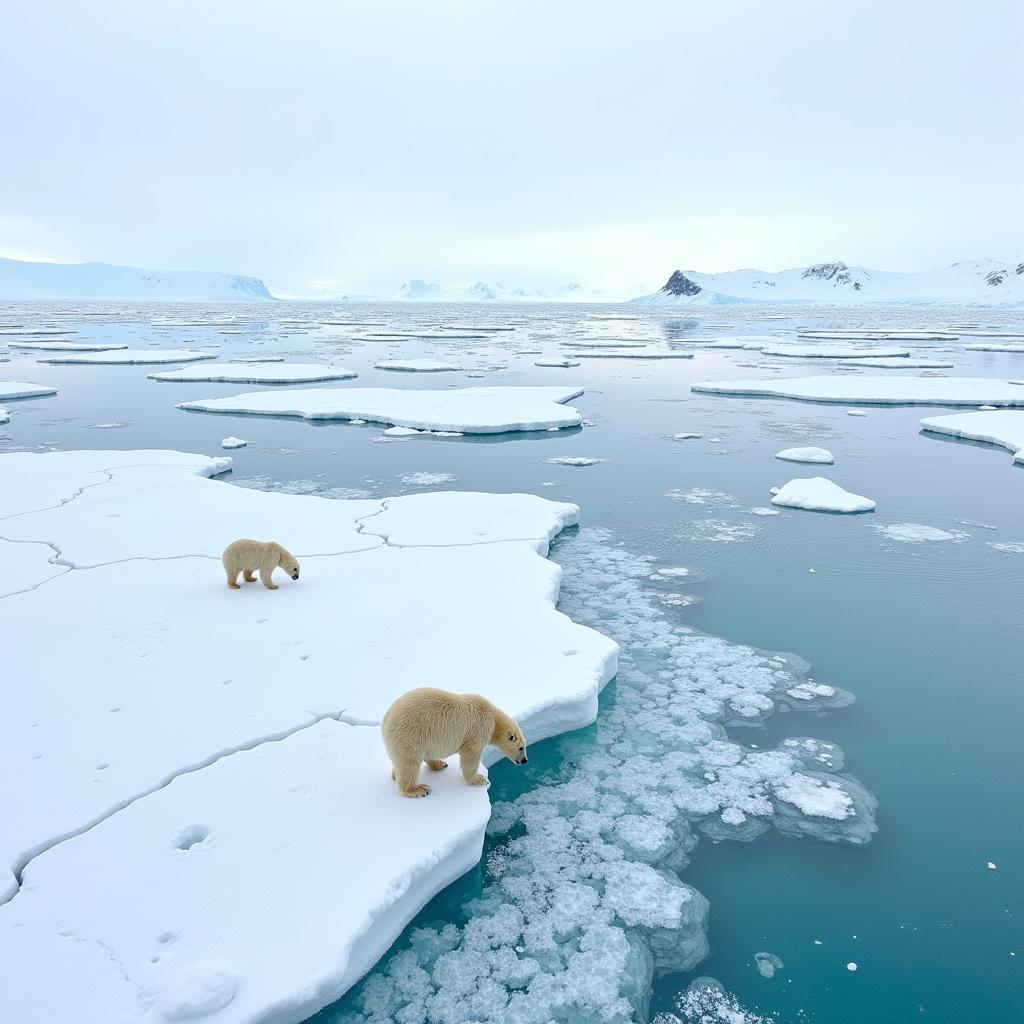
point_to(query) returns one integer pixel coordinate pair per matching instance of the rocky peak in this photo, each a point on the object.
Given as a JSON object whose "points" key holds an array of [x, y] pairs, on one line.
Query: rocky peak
{"points": [[680, 284], [838, 272]]}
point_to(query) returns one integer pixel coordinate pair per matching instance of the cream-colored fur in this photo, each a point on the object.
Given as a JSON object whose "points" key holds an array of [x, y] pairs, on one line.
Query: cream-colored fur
{"points": [[250, 556], [430, 725]]}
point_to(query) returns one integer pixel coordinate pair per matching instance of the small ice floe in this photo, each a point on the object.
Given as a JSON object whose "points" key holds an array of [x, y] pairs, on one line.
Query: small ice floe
{"points": [[811, 691], [636, 354], [416, 365], [895, 335], [18, 389], [427, 479], [990, 865], [111, 425], [918, 533], [1009, 547], [66, 346], [258, 373], [5, 416], [564, 363], [701, 496], [851, 966], [855, 412], [887, 363], [768, 964], [995, 347], [31, 332], [720, 531], [574, 460], [233, 442], [999, 427], [820, 455], [874, 390], [762, 510], [833, 352], [816, 494], [471, 410], [126, 356], [686, 437], [257, 359]]}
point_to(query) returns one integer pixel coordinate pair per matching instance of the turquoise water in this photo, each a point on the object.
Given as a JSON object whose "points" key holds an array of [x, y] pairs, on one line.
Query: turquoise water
{"points": [[927, 636]]}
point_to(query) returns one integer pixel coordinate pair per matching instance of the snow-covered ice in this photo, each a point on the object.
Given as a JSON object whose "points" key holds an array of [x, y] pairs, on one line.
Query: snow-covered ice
{"points": [[562, 363], [66, 346], [635, 354], [574, 460], [258, 373], [18, 389], [416, 365], [833, 352], [820, 455], [233, 442], [423, 479], [5, 416], [139, 355], [1008, 346], [919, 533], [198, 857], [1004, 428], [883, 363], [473, 410], [875, 390], [816, 494]]}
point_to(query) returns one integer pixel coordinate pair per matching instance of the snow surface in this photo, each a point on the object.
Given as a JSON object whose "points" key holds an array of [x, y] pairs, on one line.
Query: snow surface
{"points": [[18, 389], [1004, 428], [140, 355], [416, 365], [875, 390], [24, 280], [474, 410], [833, 352], [257, 373], [822, 455], [816, 494], [66, 346], [213, 865]]}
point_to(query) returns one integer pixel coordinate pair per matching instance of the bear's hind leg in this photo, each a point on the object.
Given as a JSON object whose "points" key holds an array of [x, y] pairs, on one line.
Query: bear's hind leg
{"points": [[232, 580], [248, 576], [265, 579], [407, 775]]}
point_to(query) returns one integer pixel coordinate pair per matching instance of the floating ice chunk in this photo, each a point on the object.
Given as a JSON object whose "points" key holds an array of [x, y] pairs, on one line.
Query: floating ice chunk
{"points": [[833, 352], [416, 365], [686, 437], [1009, 547], [31, 332], [994, 347], [565, 363], [855, 412], [900, 364], [258, 373], [809, 691], [233, 442], [851, 966], [636, 354], [768, 964], [821, 455], [574, 460], [396, 431], [990, 865], [66, 346], [18, 389], [707, 1002], [895, 335], [427, 479], [701, 496], [127, 355], [473, 410], [5, 416], [816, 494], [1003, 428], [257, 359], [875, 390], [762, 511], [918, 533]]}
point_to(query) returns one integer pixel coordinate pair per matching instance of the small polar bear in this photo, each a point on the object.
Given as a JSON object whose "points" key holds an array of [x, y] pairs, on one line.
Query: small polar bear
{"points": [[429, 725], [248, 556]]}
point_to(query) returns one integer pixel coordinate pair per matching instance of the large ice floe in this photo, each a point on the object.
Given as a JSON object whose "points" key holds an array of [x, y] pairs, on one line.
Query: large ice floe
{"points": [[66, 346], [1003, 428], [818, 455], [258, 373], [416, 365], [875, 390], [816, 494], [476, 410], [19, 389], [132, 356], [582, 899], [198, 814], [833, 352]]}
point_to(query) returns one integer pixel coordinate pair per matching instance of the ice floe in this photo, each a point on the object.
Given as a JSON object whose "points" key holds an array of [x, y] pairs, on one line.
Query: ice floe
{"points": [[127, 355], [258, 373], [5, 416], [1009, 346], [66, 346], [637, 354], [919, 533], [574, 460], [821, 455], [833, 352], [423, 479], [473, 410], [875, 390], [685, 436], [166, 840], [900, 364], [896, 335], [767, 964], [416, 365], [18, 389], [233, 442], [563, 363], [816, 494], [1003, 428]]}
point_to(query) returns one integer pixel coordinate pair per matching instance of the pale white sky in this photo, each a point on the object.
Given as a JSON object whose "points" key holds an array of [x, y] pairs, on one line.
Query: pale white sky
{"points": [[351, 146]]}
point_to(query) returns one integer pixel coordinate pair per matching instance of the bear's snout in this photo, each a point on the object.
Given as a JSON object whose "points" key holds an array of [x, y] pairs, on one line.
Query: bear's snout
{"points": [[521, 760], [295, 575]]}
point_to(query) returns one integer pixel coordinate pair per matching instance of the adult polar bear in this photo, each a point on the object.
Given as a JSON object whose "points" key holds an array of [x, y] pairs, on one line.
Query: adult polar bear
{"points": [[430, 725]]}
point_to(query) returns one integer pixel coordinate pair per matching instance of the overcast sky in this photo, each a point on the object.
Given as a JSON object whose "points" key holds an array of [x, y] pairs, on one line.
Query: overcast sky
{"points": [[350, 146]]}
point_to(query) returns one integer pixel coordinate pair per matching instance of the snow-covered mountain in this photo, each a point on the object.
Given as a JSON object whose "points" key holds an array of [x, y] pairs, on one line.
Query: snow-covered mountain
{"points": [[980, 282], [425, 291], [23, 280]]}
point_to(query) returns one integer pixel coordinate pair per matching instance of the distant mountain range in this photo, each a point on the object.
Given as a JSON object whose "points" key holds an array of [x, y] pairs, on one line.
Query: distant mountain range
{"points": [[425, 291], [23, 280], [973, 282]]}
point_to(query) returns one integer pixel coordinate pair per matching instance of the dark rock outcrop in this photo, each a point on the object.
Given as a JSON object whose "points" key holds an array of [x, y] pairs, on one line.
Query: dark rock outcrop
{"points": [[680, 284]]}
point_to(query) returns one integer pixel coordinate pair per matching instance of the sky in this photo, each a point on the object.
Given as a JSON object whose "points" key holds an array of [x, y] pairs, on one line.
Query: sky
{"points": [[345, 147]]}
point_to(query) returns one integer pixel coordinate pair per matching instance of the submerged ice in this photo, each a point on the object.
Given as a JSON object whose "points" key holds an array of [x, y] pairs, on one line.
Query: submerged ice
{"points": [[582, 903]]}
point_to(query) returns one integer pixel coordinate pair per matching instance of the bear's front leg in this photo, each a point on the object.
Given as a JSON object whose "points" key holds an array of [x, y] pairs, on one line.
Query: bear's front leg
{"points": [[233, 580], [266, 580], [248, 575], [469, 758]]}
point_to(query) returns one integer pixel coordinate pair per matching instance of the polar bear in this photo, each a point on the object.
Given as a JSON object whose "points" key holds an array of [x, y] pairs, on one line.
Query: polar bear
{"points": [[429, 725], [246, 556]]}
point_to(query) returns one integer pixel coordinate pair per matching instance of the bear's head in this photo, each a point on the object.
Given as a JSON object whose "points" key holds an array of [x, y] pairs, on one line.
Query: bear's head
{"points": [[288, 562], [508, 738]]}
